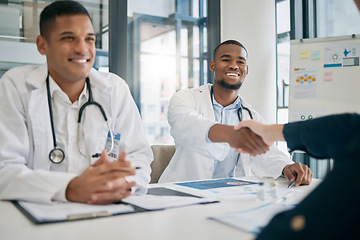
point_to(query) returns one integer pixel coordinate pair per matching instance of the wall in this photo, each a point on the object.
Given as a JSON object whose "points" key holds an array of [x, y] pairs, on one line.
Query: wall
{"points": [[252, 22]]}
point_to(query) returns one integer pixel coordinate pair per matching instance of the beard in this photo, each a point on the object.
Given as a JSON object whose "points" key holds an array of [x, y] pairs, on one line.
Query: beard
{"points": [[225, 85]]}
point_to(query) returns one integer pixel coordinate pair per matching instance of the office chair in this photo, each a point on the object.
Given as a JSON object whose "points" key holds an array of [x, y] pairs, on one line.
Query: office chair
{"points": [[162, 157]]}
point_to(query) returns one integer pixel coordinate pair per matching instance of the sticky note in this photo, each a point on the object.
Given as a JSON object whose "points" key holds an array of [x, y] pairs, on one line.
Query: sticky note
{"points": [[304, 54], [315, 55], [328, 76]]}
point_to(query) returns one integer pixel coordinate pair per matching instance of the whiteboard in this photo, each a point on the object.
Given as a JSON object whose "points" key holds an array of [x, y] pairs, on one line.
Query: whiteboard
{"points": [[324, 77]]}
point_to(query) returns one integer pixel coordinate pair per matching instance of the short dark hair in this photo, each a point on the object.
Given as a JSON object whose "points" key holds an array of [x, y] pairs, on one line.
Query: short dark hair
{"points": [[227, 42], [59, 8]]}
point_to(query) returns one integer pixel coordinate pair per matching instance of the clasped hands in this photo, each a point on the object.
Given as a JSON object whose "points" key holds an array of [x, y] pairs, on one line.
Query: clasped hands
{"points": [[102, 183], [258, 138]]}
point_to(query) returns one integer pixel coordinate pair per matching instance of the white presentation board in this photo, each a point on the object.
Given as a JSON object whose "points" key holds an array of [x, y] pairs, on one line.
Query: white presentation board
{"points": [[324, 77]]}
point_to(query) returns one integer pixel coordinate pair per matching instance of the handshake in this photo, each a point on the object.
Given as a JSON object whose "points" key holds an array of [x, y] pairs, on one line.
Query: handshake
{"points": [[255, 138]]}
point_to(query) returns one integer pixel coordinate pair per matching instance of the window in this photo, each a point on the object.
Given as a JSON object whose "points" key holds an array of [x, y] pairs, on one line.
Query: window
{"points": [[19, 27], [166, 53], [337, 18]]}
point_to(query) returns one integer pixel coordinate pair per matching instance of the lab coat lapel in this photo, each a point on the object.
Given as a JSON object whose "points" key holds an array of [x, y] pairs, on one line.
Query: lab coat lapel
{"points": [[205, 103], [39, 118]]}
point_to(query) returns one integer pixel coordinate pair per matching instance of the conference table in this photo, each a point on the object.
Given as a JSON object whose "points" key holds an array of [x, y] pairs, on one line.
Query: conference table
{"points": [[188, 222]]}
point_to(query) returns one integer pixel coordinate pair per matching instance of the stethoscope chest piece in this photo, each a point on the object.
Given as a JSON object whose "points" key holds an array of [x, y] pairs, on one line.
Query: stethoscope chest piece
{"points": [[56, 155]]}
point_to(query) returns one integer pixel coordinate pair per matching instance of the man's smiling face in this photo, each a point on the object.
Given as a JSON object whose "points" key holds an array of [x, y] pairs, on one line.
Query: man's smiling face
{"points": [[70, 48], [229, 66]]}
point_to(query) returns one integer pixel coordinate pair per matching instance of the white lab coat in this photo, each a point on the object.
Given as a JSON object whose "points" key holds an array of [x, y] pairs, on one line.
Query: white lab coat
{"points": [[190, 116], [26, 137]]}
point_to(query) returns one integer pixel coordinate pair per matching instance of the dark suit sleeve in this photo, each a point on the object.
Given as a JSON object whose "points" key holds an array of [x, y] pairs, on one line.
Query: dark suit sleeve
{"points": [[332, 210], [326, 137]]}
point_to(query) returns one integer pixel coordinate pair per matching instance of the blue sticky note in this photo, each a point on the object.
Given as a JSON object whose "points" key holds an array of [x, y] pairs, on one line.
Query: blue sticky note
{"points": [[315, 55]]}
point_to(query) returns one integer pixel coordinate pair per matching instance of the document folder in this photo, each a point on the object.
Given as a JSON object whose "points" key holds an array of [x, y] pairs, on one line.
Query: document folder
{"points": [[40, 213], [157, 199]]}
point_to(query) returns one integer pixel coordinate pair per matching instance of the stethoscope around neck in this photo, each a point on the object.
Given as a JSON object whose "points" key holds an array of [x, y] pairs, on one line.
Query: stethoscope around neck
{"points": [[57, 155], [239, 111]]}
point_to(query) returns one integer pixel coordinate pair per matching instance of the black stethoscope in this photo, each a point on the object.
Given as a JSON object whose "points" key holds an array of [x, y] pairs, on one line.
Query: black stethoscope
{"points": [[57, 155], [239, 111]]}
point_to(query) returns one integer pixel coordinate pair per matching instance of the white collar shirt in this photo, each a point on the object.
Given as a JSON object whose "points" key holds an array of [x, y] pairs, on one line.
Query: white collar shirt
{"points": [[226, 115], [65, 115]]}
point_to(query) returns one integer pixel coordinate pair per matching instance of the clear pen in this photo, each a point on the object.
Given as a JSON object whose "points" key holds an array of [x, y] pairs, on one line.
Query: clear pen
{"points": [[292, 183]]}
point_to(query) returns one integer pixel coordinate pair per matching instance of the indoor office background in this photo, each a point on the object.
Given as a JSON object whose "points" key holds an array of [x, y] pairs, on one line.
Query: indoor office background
{"points": [[162, 46]]}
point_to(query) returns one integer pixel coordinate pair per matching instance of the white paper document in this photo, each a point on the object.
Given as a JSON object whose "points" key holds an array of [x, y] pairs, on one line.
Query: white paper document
{"points": [[245, 192], [252, 220], [58, 211], [248, 191]]}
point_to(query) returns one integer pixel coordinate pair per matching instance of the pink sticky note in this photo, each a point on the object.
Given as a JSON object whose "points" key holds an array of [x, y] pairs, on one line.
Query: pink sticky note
{"points": [[328, 76]]}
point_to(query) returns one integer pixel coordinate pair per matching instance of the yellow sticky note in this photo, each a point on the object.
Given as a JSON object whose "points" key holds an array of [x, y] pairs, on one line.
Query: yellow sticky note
{"points": [[305, 54]]}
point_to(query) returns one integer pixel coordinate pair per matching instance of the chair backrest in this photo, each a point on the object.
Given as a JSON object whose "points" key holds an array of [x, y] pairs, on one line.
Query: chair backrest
{"points": [[162, 157]]}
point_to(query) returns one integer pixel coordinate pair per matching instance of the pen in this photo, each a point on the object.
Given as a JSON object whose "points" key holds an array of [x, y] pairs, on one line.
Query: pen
{"points": [[292, 183], [87, 215]]}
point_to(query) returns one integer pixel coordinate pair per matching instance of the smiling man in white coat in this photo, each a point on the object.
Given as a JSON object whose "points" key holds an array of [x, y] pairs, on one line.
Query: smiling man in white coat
{"points": [[57, 119], [202, 121]]}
